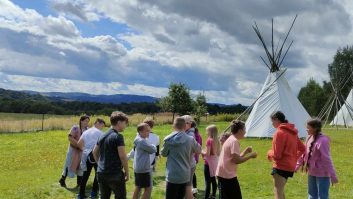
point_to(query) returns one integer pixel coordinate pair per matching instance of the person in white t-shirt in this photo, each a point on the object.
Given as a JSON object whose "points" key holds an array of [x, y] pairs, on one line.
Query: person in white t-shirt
{"points": [[153, 139], [86, 143]]}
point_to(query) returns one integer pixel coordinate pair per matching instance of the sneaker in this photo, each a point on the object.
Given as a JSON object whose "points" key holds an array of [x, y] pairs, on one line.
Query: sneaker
{"points": [[93, 194], [62, 182], [194, 190]]}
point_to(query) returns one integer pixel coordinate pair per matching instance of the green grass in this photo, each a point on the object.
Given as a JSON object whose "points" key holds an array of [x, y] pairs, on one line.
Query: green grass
{"points": [[31, 165]]}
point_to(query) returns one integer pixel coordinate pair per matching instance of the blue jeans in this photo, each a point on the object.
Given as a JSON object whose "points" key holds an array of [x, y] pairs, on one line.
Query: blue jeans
{"points": [[318, 187]]}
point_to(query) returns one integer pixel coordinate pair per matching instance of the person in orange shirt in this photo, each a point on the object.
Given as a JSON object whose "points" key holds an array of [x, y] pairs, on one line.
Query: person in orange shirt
{"points": [[286, 150]]}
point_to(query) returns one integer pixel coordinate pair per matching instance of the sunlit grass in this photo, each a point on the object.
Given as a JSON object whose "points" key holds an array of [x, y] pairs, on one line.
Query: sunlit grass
{"points": [[31, 165]]}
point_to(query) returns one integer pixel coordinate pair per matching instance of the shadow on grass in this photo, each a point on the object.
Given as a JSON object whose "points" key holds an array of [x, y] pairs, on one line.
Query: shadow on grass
{"points": [[73, 189]]}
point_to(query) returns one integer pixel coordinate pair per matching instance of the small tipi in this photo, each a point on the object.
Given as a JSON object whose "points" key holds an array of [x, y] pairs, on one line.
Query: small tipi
{"points": [[276, 95], [344, 116], [337, 107]]}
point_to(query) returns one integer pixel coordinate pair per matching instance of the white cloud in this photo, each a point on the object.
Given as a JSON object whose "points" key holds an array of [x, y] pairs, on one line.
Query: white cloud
{"points": [[209, 46]]}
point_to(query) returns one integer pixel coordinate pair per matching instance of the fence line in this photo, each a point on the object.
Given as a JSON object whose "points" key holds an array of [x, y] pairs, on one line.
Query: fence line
{"points": [[18, 122]]}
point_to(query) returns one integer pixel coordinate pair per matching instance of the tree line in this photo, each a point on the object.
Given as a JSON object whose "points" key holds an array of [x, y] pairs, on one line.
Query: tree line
{"points": [[314, 96], [21, 102]]}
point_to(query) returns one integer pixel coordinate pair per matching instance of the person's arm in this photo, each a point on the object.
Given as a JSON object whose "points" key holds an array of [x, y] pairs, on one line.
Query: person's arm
{"points": [[246, 151], [149, 148], [301, 148], [165, 150], [72, 140], [324, 149], [196, 147], [242, 157], [81, 143], [300, 154], [238, 159], [277, 146], [208, 148], [95, 152], [124, 161]]}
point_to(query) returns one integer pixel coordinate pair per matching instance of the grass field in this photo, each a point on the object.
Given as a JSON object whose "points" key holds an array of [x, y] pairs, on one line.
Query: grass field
{"points": [[31, 165]]}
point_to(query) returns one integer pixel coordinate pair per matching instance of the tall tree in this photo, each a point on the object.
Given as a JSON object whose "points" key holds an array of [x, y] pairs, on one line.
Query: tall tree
{"points": [[341, 68], [200, 107], [178, 100], [313, 97]]}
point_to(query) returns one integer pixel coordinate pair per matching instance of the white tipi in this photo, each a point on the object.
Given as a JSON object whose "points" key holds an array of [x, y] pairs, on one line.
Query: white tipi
{"points": [[344, 116], [276, 95]]}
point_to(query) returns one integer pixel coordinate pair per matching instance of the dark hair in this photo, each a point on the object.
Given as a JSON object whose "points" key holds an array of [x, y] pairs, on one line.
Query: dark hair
{"points": [[224, 136], [279, 116], [82, 118], [99, 120], [141, 127], [118, 116], [315, 124], [236, 126], [149, 121], [193, 124]]}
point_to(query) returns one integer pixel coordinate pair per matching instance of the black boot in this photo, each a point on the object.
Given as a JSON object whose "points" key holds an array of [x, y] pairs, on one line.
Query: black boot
{"points": [[79, 180], [62, 181]]}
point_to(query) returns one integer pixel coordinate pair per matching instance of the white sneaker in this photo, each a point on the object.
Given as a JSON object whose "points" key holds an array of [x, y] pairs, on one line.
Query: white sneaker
{"points": [[194, 190]]}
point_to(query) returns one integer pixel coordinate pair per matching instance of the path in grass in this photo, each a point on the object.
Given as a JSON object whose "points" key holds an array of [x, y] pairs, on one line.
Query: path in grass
{"points": [[31, 165]]}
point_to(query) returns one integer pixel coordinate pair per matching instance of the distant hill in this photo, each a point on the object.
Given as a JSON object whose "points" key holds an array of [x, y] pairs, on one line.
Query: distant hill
{"points": [[14, 95], [78, 103], [84, 97]]}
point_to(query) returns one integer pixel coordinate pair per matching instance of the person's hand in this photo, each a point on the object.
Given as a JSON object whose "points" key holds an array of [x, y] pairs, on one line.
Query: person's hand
{"points": [[248, 149], [269, 155], [127, 177], [253, 155], [334, 180]]}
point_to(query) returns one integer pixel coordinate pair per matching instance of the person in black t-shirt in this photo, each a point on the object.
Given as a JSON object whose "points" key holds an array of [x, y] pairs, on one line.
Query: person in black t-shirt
{"points": [[109, 153]]}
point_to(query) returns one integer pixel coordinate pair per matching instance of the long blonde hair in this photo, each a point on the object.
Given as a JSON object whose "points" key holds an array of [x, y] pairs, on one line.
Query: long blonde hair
{"points": [[212, 131]]}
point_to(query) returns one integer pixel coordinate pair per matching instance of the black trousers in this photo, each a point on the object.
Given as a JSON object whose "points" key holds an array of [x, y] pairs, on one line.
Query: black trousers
{"points": [[229, 188], [175, 191], [112, 182], [79, 178], [86, 175], [208, 182], [194, 181]]}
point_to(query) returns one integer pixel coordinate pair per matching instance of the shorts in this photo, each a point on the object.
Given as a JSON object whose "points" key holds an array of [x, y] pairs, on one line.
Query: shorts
{"points": [[143, 180], [285, 174]]}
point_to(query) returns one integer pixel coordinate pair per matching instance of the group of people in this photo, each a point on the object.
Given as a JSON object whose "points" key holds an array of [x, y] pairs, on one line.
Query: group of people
{"points": [[105, 152]]}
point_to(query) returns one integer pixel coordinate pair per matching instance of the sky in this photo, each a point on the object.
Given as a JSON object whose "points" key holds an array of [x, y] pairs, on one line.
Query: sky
{"points": [[142, 46]]}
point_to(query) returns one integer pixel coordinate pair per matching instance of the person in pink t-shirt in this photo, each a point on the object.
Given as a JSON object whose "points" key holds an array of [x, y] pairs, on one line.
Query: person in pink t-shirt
{"points": [[210, 156], [229, 158], [317, 162]]}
